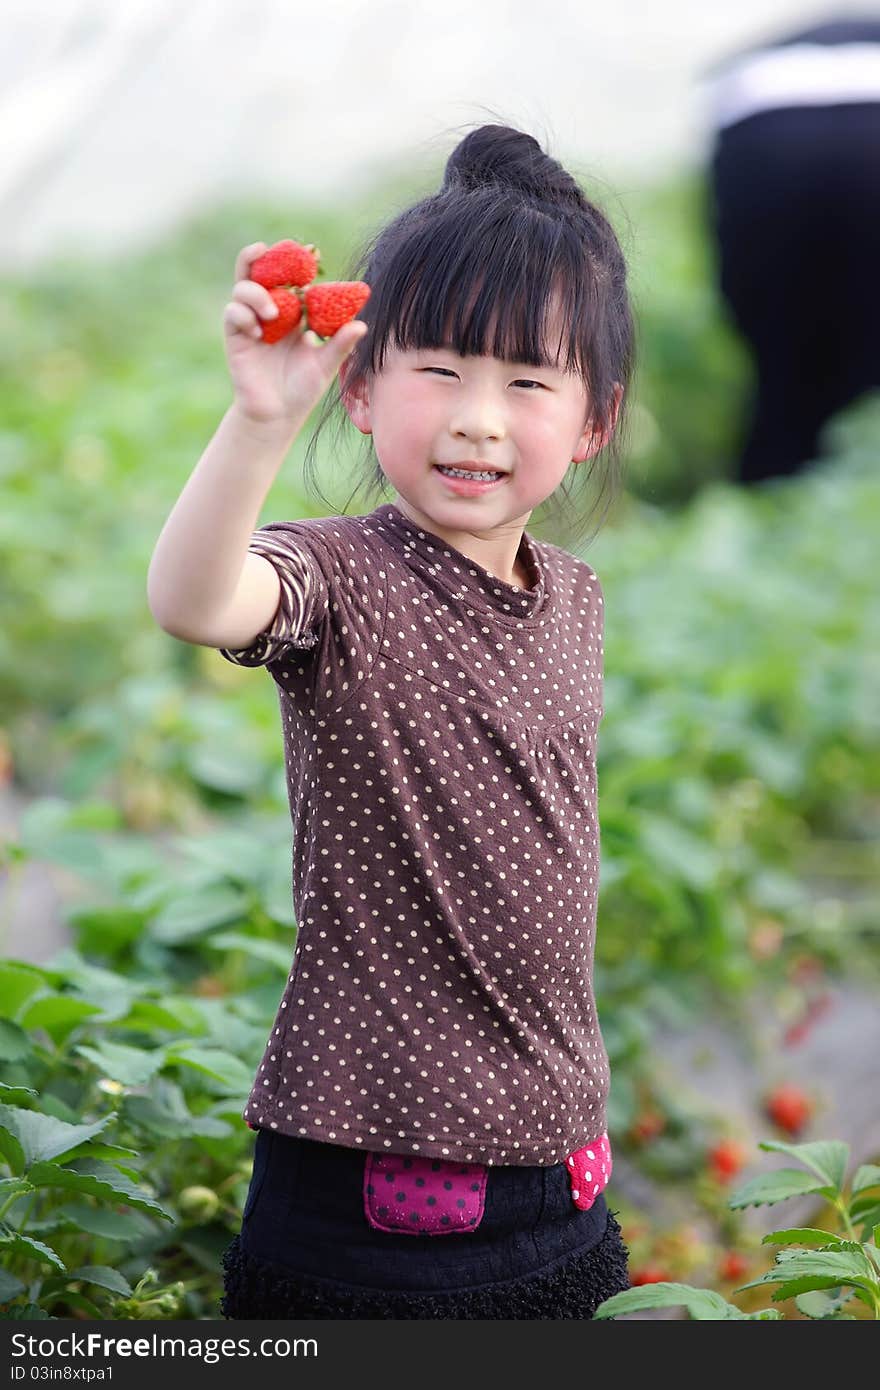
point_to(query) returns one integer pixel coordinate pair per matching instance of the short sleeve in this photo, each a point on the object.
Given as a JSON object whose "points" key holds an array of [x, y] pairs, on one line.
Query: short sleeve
{"points": [[304, 595]]}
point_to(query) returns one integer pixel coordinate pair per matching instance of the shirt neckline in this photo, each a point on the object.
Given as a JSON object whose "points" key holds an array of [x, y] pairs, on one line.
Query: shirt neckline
{"points": [[467, 580]]}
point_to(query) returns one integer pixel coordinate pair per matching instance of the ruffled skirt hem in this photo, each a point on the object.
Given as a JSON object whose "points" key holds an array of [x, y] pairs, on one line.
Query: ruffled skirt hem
{"points": [[257, 1288]]}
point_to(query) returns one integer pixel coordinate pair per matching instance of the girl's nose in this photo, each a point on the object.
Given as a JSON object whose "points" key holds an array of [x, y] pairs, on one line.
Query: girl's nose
{"points": [[478, 417]]}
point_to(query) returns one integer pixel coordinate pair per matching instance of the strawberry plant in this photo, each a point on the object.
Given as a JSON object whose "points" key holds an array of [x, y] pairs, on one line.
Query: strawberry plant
{"points": [[822, 1278]]}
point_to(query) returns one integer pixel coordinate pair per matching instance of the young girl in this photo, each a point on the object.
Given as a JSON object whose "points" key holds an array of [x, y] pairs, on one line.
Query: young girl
{"points": [[430, 1108]]}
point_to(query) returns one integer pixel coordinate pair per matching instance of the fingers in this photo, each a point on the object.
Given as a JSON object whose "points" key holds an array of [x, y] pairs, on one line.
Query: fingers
{"points": [[246, 257], [238, 318], [344, 340], [250, 304]]}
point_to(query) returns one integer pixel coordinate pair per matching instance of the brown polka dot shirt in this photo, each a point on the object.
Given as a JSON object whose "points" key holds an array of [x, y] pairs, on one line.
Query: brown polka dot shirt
{"points": [[440, 732]]}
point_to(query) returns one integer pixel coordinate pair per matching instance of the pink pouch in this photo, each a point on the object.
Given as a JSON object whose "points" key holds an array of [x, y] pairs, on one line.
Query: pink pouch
{"points": [[588, 1171], [423, 1196]]}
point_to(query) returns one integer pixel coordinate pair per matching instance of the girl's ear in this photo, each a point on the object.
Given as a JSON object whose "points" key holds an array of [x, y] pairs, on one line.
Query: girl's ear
{"points": [[592, 440], [355, 397]]}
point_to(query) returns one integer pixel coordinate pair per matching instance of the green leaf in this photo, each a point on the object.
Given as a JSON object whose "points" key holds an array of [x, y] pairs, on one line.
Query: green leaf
{"points": [[25, 1312], [173, 1015], [130, 1066], [17, 983], [148, 1113], [236, 853], [191, 914], [79, 1301], [102, 1221], [223, 1066], [98, 1179], [796, 1288], [104, 1277], [702, 1304], [866, 1176], [271, 951], [11, 1150], [691, 858], [8, 1186], [826, 1158], [846, 1265], [821, 1305], [58, 1014], [16, 1243], [804, 1235], [863, 1203], [10, 1287], [14, 1042], [768, 1188], [12, 1094], [42, 1137]]}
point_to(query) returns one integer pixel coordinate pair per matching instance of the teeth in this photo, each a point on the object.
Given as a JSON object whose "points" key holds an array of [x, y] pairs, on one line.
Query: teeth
{"points": [[468, 473]]}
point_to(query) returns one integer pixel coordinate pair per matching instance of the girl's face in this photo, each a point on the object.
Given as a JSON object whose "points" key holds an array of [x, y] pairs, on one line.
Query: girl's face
{"points": [[432, 406]]}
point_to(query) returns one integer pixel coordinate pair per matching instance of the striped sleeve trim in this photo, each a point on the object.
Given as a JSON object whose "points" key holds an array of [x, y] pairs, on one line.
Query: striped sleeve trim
{"points": [[301, 590]]}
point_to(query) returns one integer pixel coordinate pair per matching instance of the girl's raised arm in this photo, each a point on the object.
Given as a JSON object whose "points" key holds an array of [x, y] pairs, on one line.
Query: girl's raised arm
{"points": [[202, 585]]}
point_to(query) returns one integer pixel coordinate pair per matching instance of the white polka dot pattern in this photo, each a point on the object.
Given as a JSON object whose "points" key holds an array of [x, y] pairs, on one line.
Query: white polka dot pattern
{"points": [[440, 731]]}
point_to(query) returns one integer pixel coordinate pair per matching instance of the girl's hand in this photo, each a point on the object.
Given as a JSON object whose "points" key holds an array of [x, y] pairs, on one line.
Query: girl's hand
{"points": [[277, 383]]}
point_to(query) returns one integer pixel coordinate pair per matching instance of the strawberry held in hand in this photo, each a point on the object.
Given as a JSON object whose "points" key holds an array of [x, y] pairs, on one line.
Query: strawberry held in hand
{"points": [[286, 263], [289, 315], [329, 306]]}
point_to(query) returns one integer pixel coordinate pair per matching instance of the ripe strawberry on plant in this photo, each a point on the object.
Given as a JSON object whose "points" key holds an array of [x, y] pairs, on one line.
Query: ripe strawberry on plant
{"points": [[289, 315], [286, 263], [331, 305], [647, 1124], [733, 1266], [789, 1107], [650, 1274], [726, 1158]]}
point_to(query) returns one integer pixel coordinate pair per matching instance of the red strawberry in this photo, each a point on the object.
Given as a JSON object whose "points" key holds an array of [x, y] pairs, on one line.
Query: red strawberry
{"points": [[789, 1107], [647, 1124], [329, 306], [733, 1266], [726, 1159], [649, 1274], [286, 263], [289, 315]]}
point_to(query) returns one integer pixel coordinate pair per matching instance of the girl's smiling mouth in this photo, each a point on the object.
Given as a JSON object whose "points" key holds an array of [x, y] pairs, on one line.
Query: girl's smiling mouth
{"points": [[468, 482]]}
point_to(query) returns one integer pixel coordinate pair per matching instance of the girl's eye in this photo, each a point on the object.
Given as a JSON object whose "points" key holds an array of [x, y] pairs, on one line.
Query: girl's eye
{"points": [[523, 381]]}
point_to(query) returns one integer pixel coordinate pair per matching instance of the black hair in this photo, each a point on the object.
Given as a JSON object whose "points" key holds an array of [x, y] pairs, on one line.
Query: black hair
{"points": [[508, 230]]}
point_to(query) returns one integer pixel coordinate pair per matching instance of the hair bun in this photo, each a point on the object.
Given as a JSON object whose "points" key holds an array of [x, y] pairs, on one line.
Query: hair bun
{"points": [[498, 154]]}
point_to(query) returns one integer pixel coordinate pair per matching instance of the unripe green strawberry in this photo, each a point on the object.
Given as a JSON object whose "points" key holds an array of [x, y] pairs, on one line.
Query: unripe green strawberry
{"points": [[198, 1203], [329, 306], [289, 315], [286, 263]]}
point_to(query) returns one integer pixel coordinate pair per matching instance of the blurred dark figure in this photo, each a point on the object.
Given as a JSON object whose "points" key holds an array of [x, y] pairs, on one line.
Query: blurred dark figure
{"points": [[794, 194]]}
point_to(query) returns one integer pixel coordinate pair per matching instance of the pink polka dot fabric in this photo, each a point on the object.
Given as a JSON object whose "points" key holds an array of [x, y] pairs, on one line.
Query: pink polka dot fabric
{"points": [[435, 1197], [425, 1196], [589, 1169]]}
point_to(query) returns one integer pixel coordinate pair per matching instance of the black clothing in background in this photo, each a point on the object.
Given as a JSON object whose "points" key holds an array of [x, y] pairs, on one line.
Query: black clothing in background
{"points": [[795, 212]]}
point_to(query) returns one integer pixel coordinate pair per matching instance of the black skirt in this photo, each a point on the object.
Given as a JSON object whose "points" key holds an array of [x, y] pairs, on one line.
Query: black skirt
{"points": [[307, 1250]]}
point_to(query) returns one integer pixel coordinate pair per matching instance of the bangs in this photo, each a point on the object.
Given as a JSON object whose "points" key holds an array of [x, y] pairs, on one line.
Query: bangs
{"points": [[514, 283]]}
